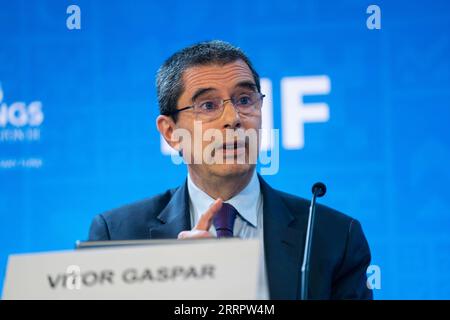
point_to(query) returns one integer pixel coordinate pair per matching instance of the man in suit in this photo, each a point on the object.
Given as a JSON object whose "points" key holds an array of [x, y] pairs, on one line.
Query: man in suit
{"points": [[214, 84]]}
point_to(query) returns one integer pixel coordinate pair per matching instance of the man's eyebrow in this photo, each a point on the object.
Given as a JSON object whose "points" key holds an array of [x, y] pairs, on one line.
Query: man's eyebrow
{"points": [[201, 91], [243, 84], [247, 85]]}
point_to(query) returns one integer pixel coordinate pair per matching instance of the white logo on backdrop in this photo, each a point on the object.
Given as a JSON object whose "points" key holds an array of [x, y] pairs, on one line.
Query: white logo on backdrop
{"points": [[20, 122]]}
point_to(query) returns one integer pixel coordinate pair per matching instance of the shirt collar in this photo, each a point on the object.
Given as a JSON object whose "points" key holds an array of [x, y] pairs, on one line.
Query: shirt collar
{"points": [[245, 202]]}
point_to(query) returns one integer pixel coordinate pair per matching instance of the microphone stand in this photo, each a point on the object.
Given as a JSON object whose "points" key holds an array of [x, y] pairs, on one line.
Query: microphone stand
{"points": [[318, 190]]}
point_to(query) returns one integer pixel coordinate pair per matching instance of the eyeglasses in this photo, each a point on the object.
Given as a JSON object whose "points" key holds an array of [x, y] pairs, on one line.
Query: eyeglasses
{"points": [[208, 109]]}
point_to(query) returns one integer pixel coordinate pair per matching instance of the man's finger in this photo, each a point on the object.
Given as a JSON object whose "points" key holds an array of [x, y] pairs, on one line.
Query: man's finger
{"points": [[194, 234], [205, 221]]}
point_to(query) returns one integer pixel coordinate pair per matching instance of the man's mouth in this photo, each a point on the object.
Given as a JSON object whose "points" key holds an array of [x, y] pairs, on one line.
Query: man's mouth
{"points": [[233, 148]]}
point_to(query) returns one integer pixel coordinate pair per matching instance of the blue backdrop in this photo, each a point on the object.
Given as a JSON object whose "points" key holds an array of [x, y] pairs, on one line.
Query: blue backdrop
{"points": [[78, 108]]}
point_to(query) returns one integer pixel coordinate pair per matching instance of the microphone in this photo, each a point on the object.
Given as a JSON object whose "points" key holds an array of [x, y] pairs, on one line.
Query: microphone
{"points": [[318, 190]]}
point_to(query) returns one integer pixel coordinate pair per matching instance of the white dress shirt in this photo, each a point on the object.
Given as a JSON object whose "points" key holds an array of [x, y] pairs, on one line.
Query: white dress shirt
{"points": [[248, 223]]}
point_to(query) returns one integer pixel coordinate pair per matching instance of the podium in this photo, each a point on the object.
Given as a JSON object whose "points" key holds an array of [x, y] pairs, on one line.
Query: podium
{"points": [[150, 269]]}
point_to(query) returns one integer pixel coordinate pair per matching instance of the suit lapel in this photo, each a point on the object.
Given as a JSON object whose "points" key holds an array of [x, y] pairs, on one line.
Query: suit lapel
{"points": [[283, 244], [174, 218]]}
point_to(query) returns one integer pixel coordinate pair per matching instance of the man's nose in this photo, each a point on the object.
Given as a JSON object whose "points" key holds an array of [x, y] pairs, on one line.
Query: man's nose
{"points": [[230, 116]]}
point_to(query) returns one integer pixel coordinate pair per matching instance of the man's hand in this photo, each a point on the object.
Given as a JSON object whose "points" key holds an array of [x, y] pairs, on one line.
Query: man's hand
{"points": [[203, 225]]}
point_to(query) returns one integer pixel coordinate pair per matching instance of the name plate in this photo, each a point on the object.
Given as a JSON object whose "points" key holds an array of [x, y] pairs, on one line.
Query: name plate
{"points": [[199, 269]]}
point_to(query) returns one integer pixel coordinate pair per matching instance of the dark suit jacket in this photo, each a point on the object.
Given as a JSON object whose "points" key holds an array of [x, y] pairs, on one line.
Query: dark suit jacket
{"points": [[339, 258]]}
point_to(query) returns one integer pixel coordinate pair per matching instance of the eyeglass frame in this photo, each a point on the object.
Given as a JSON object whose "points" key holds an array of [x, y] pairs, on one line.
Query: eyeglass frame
{"points": [[175, 112]]}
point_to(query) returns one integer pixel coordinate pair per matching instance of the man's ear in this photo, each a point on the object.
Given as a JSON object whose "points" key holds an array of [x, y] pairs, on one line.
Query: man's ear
{"points": [[166, 127]]}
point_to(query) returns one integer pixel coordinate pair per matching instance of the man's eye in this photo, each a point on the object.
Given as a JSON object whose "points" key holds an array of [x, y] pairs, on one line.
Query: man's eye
{"points": [[208, 106], [244, 100]]}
